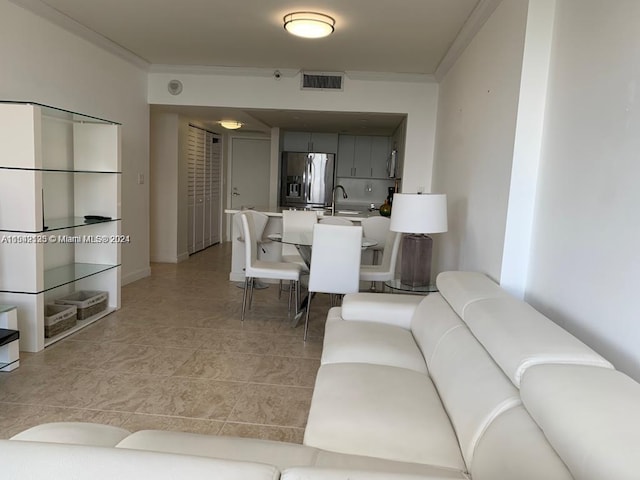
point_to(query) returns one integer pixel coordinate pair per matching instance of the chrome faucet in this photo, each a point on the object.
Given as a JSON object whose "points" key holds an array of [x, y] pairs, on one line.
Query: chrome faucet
{"points": [[333, 198]]}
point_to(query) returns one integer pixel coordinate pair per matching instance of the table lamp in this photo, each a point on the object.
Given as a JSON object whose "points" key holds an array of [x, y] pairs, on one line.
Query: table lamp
{"points": [[418, 215]]}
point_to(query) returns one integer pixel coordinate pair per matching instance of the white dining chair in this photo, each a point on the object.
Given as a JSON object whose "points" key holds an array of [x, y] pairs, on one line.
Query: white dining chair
{"points": [[296, 221], [335, 262], [335, 221], [255, 268], [260, 221], [387, 269], [376, 228]]}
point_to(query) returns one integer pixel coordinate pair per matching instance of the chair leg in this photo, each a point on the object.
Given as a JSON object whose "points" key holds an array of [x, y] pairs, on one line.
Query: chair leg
{"points": [[280, 291], [290, 295], [306, 319], [244, 297], [297, 297], [251, 282]]}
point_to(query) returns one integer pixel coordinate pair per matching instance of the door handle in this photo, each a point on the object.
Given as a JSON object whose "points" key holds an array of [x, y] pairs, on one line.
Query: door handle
{"points": [[235, 194]]}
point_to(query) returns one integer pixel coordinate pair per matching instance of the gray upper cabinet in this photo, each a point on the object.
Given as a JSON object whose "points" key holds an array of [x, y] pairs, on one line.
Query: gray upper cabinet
{"points": [[380, 151], [346, 152], [362, 156], [310, 142]]}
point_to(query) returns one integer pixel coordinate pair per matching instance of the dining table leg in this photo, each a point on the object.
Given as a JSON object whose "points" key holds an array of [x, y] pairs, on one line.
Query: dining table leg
{"points": [[305, 253]]}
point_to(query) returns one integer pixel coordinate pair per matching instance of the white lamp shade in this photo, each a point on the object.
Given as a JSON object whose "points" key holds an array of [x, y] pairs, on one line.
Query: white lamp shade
{"points": [[419, 213]]}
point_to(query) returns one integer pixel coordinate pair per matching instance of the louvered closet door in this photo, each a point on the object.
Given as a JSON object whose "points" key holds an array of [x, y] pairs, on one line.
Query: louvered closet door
{"points": [[204, 170], [215, 195]]}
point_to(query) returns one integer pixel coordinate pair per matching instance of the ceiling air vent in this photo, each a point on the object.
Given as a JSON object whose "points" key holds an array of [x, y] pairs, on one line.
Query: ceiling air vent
{"points": [[322, 81]]}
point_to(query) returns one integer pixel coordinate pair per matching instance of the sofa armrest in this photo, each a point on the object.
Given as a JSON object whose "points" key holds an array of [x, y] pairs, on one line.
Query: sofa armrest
{"points": [[392, 309], [77, 433]]}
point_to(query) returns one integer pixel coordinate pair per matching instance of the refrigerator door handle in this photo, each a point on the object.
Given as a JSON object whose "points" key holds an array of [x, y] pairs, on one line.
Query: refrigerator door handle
{"points": [[309, 177]]}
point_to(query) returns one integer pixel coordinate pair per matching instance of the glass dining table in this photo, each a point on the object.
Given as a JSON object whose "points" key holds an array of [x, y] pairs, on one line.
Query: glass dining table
{"points": [[303, 242]]}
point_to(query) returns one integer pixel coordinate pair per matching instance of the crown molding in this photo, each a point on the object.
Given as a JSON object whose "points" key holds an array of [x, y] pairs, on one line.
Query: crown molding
{"points": [[286, 73], [478, 17], [58, 18]]}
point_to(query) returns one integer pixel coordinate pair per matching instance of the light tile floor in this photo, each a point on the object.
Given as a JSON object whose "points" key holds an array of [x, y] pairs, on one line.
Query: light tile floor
{"points": [[176, 356]]}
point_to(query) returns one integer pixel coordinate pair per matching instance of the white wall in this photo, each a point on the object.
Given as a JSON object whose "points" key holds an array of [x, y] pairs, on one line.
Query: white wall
{"points": [[475, 138], [43, 63], [585, 261], [414, 96], [163, 186]]}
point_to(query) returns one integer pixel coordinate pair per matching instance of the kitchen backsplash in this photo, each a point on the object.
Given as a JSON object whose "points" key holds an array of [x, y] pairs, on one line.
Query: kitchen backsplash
{"points": [[364, 191]]}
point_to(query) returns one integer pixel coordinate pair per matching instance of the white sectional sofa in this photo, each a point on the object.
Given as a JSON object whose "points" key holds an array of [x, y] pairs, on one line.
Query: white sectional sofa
{"points": [[465, 383]]}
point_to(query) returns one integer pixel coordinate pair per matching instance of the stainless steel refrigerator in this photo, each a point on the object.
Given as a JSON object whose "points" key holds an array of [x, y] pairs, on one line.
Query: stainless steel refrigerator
{"points": [[306, 179]]}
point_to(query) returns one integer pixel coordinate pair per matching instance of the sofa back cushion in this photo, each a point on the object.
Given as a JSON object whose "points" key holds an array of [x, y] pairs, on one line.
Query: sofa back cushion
{"points": [[514, 447], [473, 390], [461, 289], [57, 461], [518, 337], [432, 319], [590, 415]]}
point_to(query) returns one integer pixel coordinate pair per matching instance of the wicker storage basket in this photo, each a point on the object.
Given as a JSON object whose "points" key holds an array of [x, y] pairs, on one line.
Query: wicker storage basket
{"points": [[88, 302], [58, 318]]}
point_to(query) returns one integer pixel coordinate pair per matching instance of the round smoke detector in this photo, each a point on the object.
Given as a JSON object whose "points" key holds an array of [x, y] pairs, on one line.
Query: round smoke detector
{"points": [[174, 87]]}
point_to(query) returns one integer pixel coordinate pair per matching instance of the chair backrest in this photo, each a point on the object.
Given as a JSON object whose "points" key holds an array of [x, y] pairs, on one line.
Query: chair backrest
{"points": [[250, 244], [335, 259], [335, 221], [259, 222], [390, 252], [297, 221], [376, 228]]}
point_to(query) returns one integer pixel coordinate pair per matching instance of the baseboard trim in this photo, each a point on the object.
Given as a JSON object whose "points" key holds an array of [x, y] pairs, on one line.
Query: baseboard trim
{"points": [[138, 275]]}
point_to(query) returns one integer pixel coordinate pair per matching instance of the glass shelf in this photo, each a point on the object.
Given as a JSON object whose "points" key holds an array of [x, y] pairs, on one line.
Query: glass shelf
{"points": [[72, 222], [7, 336], [57, 277], [61, 114], [54, 224], [62, 170]]}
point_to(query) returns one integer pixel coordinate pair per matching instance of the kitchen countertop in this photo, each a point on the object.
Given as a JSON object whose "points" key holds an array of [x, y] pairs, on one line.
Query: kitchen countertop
{"points": [[356, 213]]}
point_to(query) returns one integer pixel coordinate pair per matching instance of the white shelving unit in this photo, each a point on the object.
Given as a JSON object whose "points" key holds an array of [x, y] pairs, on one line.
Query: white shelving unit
{"points": [[56, 167]]}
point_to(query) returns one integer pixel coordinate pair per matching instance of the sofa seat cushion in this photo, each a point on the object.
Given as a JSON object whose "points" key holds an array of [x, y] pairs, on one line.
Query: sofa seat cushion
{"points": [[357, 463], [306, 473], [271, 452], [381, 411], [370, 342], [78, 433], [51, 461]]}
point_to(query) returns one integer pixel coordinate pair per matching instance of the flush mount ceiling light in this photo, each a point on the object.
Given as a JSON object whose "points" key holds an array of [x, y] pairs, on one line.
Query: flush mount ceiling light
{"points": [[309, 24], [230, 124]]}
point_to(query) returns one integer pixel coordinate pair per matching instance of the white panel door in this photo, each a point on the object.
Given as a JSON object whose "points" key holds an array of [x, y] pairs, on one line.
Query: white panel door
{"points": [[250, 158]]}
